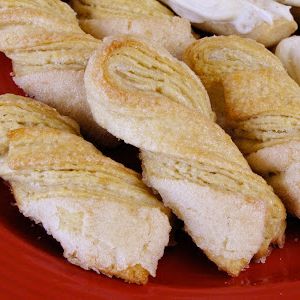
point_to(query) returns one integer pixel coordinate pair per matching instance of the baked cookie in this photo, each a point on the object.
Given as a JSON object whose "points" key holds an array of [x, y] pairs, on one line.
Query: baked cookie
{"points": [[102, 214], [49, 53], [258, 104], [147, 18]]}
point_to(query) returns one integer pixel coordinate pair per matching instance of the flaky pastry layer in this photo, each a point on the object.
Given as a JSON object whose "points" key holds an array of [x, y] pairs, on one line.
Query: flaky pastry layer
{"points": [[146, 97]]}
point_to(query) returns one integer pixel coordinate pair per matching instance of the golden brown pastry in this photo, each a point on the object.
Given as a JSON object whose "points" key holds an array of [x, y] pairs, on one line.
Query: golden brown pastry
{"points": [[49, 52], [265, 21], [143, 95], [102, 214], [258, 103], [147, 18]]}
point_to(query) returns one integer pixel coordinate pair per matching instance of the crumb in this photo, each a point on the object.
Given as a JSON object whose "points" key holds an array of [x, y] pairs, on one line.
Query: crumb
{"points": [[261, 260]]}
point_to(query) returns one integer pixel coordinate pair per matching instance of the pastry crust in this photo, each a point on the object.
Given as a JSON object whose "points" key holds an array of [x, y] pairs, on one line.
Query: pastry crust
{"points": [[143, 95], [258, 103], [264, 33], [148, 19], [212, 63], [102, 214], [262, 20], [49, 52]]}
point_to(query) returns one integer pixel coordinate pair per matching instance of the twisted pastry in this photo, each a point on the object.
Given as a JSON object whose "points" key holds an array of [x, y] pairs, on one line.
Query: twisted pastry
{"points": [[49, 52], [265, 21], [288, 52], [143, 95], [258, 103], [102, 214], [147, 18]]}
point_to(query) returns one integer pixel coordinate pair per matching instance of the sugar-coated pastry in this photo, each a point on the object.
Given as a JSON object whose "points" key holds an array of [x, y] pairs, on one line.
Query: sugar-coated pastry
{"points": [[49, 52], [288, 50], [143, 95], [147, 18], [17, 112], [258, 103], [265, 21], [102, 214]]}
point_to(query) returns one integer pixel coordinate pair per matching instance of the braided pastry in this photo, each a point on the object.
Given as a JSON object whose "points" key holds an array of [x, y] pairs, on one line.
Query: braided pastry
{"points": [[258, 103], [143, 95], [265, 21], [102, 214], [49, 52], [147, 18]]}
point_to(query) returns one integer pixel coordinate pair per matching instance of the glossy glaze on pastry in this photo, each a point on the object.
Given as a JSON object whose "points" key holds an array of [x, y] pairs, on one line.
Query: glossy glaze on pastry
{"points": [[258, 103], [49, 52], [102, 214], [147, 18], [146, 97]]}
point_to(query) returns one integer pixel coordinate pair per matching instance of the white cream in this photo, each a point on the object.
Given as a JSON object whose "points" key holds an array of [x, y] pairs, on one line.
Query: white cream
{"points": [[290, 2], [288, 50], [244, 15]]}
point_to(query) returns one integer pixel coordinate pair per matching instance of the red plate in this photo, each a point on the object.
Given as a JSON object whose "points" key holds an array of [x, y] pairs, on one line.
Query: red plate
{"points": [[32, 265]]}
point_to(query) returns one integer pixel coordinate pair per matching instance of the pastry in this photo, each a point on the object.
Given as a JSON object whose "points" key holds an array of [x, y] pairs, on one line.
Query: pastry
{"points": [[258, 103], [289, 54], [265, 21], [147, 18], [143, 95], [102, 214], [295, 4], [49, 52]]}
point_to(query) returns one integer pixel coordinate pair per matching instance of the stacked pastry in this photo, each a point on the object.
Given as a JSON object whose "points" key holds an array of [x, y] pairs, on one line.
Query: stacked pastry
{"points": [[143, 95], [49, 52], [258, 103], [149, 19], [266, 21], [102, 214]]}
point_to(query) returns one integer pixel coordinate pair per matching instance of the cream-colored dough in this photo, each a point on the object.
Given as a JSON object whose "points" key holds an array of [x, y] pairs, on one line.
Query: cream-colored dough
{"points": [[102, 214], [147, 18], [49, 52], [143, 95], [257, 103]]}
